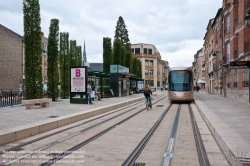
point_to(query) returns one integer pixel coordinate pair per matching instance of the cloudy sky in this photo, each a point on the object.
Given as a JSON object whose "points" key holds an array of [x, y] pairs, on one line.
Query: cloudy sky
{"points": [[175, 27]]}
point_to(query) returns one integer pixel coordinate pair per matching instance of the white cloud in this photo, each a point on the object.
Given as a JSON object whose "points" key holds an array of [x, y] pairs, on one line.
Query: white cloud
{"points": [[175, 27]]}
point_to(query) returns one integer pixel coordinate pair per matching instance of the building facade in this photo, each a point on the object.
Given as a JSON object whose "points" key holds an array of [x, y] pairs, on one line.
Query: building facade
{"points": [[152, 65], [199, 69], [44, 58], [228, 39], [11, 59]]}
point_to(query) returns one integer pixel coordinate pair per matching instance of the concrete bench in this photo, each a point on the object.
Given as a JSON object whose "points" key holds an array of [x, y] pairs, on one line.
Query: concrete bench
{"points": [[30, 104]]}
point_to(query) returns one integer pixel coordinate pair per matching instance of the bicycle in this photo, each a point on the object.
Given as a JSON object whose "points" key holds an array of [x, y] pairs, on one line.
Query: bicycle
{"points": [[147, 104]]}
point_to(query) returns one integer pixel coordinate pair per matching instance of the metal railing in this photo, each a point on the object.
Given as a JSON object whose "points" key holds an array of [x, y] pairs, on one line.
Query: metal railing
{"points": [[247, 5], [227, 30], [10, 98]]}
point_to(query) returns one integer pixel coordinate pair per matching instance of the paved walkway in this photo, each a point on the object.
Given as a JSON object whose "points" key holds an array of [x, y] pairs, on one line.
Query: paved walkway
{"points": [[18, 115], [235, 113]]}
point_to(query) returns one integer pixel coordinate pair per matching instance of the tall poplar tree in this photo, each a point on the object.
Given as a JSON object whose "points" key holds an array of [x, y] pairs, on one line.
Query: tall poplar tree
{"points": [[79, 55], [64, 64], [73, 53], [53, 75], [123, 54], [33, 49], [127, 60], [107, 54], [117, 52]]}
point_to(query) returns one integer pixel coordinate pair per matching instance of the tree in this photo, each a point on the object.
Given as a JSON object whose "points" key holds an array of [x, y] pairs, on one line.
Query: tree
{"points": [[64, 65], [121, 34], [139, 71], [53, 75], [117, 52], [72, 53], [33, 50], [79, 55], [107, 54], [123, 56], [128, 56]]}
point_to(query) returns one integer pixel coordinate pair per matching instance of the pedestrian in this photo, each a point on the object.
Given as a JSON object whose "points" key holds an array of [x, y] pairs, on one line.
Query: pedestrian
{"points": [[147, 93], [96, 93], [198, 88], [89, 90]]}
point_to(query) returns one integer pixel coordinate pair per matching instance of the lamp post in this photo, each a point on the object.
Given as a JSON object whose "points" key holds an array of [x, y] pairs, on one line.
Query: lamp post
{"points": [[247, 17]]}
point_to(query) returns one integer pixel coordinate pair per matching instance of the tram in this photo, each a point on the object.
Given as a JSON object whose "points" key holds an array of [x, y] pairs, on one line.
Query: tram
{"points": [[180, 84]]}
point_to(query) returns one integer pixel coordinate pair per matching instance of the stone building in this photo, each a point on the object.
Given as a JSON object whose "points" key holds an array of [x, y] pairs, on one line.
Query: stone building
{"points": [[151, 63], [11, 59], [199, 69], [228, 39]]}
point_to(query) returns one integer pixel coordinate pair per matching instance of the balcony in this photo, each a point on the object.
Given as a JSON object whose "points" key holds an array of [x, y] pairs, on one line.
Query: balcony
{"points": [[245, 83], [235, 84], [227, 30]]}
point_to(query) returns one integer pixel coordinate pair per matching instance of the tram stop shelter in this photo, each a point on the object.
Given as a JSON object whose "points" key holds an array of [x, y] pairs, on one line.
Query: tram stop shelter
{"points": [[121, 81]]}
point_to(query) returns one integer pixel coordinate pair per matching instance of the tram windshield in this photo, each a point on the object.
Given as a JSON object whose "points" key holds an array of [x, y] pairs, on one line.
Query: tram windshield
{"points": [[180, 80]]}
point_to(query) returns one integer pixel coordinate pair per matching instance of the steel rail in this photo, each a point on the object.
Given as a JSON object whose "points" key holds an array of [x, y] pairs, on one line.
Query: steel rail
{"points": [[17, 147], [67, 137], [169, 150], [135, 154], [78, 146], [202, 155]]}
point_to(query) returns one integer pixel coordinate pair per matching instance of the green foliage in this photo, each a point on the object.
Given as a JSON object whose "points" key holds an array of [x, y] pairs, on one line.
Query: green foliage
{"points": [[123, 57], [117, 53], [79, 55], [33, 50], [107, 54], [53, 75], [121, 34], [64, 65], [139, 71], [134, 66], [128, 56], [73, 53]]}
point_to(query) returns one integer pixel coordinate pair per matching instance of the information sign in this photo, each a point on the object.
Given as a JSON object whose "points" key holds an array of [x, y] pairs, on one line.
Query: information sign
{"points": [[239, 64]]}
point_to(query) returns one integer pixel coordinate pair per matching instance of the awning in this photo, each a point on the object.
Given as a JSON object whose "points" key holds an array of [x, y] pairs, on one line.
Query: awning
{"points": [[200, 81]]}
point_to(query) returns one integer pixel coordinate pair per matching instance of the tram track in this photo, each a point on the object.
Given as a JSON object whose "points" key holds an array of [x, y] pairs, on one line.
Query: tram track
{"points": [[17, 147], [70, 136], [170, 145]]}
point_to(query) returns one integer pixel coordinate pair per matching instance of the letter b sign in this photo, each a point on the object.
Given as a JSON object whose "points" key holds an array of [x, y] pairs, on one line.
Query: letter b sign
{"points": [[78, 72]]}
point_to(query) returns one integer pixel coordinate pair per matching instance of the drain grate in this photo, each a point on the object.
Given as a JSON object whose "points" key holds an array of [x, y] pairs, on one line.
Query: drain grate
{"points": [[53, 116], [159, 105], [139, 164]]}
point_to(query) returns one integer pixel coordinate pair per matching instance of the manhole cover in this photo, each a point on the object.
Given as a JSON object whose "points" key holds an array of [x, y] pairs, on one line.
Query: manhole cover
{"points": [[53, 116], [139, 164], [159, 105]]}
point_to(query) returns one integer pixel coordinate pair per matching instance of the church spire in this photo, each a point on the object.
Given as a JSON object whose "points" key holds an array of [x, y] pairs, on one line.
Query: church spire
{"points": [[84, 54]]}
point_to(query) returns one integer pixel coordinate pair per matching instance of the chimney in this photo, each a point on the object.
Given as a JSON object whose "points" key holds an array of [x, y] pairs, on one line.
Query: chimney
{"points": [[42, 34]]}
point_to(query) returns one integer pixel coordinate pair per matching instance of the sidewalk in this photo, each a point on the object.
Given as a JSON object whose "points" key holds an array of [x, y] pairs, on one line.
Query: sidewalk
{"points": [[17, 123], [228, 121]]}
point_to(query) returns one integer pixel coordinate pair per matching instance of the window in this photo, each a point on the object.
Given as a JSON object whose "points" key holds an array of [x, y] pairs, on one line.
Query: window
{"points": [[151, 72], [151, 62], [158, 83], [146, 72], [146, 62], [132, 50], [203, 73], [149, 51], [228, 52], [149, 82], [137, 50], [145, 51]]}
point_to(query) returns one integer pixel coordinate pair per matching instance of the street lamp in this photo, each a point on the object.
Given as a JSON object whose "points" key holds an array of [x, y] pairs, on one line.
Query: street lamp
{"points": [[247, 17]]}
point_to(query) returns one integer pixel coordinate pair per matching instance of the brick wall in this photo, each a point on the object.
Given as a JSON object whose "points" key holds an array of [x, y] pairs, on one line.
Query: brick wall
{"points": [[10, 59]]}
